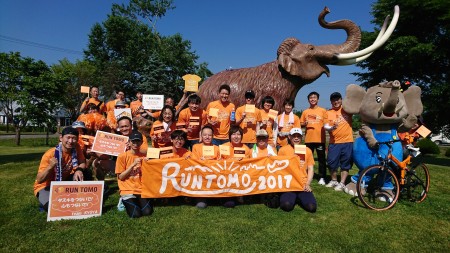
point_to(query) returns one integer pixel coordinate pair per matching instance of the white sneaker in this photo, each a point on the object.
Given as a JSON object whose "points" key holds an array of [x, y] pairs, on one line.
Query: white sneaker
{"points": [[339, 187], [332, 183], [322, 181]]}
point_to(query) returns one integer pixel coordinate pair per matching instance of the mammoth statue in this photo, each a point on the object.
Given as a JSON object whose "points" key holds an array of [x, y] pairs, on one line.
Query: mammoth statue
{"points": [[297, 64], [384, 111]]}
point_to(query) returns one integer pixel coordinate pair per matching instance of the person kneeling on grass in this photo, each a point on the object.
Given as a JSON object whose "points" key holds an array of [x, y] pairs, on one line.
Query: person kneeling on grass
{"points": [[128, 170], [65, 162], [306, 198]]}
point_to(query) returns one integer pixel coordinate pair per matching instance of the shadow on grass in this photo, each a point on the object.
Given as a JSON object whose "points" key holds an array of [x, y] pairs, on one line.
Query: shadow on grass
{"points": [[20, 158], [436, 161]]}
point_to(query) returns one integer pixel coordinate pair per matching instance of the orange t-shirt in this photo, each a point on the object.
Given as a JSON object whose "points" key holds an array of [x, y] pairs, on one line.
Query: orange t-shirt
{"points": [[181, 153], [268, 126], [222, 126], [249, 123], [283, 140], [102, 107], [185, 116], [164, 140], [343, 133], [111, 105], [134, 106], [316, 118], [305, 160], [67, 167], [132, 184], [248, 152], [197, 152]]}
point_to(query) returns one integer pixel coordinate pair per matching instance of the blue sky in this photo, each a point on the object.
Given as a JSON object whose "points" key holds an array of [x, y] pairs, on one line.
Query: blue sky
{"points": [[232, 33]]}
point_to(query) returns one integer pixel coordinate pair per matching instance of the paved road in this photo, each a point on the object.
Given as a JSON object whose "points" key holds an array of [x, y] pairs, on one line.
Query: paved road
{"points": [[26, 136]]}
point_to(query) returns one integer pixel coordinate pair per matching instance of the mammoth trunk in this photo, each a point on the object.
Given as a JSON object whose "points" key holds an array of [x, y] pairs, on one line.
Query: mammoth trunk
{"points": [[391, 103]]}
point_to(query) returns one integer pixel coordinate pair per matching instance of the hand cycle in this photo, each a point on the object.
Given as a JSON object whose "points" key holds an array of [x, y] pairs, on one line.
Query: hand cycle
{"points": [[380, 186]]}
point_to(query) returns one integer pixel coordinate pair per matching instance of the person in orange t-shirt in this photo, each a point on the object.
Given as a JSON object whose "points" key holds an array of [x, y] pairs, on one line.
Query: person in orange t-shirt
{"points": [[111, 117], [340, 147], [163, 127], [111, 105], [137, 109], [94, 100], [305, 197], [238, 150], [225, 110], [179, 138], [248, 121], [268, 123], [313, 119], [65, 162], [194, 118], [129, 174], [286, 121]]}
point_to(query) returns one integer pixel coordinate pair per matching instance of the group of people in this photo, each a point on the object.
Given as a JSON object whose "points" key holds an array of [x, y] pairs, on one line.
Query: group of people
{"points": [[254, 132]]}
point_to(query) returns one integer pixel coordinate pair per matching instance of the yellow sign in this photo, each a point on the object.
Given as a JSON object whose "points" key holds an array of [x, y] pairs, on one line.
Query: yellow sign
{"points": [[300, 149], [85, 89], [208, 150], [213, 112], [224, 149], [153, 153], [423, 131], [249, 108], [273, 114]]}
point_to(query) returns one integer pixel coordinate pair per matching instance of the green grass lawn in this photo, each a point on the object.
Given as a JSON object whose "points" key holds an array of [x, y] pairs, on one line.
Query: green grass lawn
{"points": [[340, 224]]}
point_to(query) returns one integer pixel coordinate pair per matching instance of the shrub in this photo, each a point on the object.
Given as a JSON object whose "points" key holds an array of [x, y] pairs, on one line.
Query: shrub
{"points": [[447, 152], [428, 147]]}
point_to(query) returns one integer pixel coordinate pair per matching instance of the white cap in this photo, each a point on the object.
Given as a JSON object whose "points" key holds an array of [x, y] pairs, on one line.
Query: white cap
{"points": [[296, 130]]}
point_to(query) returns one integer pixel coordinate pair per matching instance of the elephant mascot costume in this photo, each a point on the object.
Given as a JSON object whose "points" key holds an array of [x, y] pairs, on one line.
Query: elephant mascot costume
{"points": [[384, 111]]}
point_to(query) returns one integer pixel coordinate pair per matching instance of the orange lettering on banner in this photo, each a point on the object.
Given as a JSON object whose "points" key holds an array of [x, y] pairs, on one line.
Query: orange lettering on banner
{"points": [[225, 178], [75, 200]]}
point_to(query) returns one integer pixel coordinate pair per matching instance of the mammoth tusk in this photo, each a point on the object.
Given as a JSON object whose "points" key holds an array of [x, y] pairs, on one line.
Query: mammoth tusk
{"points": [[362, 58], [376, 44]]}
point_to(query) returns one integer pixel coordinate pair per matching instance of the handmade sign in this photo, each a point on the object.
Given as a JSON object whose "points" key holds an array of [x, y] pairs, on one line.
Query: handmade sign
{"points": [[300, 149], [153, 102], [75, 200], [194, 121], [250, 108], [191, 82], [118, 113], [224, 149], [166, 152], [273, 114], [239, 152], [84, 89], [213, 112], [225, 178], [110, 144], [153, 153], [423, 131]]}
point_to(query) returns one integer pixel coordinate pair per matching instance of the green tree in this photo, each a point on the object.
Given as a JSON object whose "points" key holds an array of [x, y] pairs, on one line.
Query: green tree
{"points": [[28, 93], [126, 49], [71, 76], [417, 51]]}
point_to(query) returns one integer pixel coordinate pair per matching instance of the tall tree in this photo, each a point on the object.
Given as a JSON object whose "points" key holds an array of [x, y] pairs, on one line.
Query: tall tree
{"points": [[71, 76], [126, 48], [28, 93], [417, 52]]}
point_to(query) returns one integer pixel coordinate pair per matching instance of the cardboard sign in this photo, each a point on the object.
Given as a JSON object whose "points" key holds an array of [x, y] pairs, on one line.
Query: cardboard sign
{"points": [[75, 200], [250, 108], [208, 151], [158, 128], [166, 178], [110, 144], [300, 149], [85, 89], [118, 113], [181, 126], [213, 112], [153, 153], [224, 149], [166, 152], [191, 82], [239, 152], [153, 102], [273, 114], [194, 121], [423, 131]]}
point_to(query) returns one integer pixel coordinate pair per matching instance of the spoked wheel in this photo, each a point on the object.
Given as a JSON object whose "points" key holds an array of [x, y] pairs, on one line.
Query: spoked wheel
{"points": [[378, 188], [417, 183]]}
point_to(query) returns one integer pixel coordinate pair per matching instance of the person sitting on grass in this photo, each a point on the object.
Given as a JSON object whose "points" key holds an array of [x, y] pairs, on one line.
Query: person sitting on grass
{"points": [[65, 162], [305, 198], [128, 171]]}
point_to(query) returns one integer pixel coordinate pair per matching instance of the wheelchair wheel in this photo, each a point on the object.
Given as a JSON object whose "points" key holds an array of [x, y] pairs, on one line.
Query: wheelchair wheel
{"points": [[417, 183], [378, 188]]}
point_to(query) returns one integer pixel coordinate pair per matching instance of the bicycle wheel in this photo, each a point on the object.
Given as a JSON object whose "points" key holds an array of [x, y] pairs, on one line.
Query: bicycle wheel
{"points": [[378, 188], [417, 183]]}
